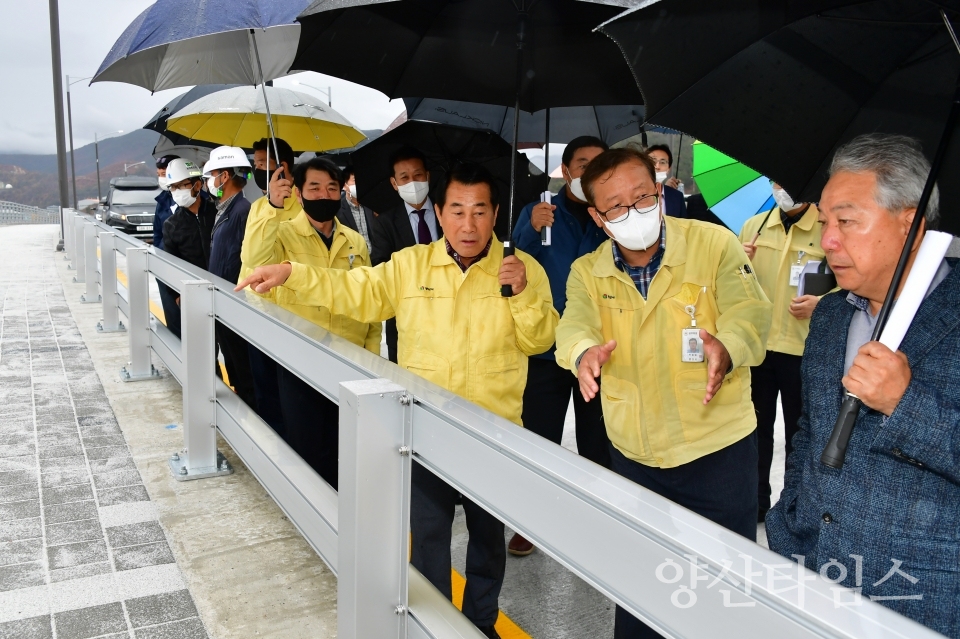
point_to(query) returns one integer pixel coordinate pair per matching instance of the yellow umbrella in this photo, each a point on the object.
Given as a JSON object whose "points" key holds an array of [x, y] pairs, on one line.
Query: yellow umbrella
{"points": [[238, 117]]}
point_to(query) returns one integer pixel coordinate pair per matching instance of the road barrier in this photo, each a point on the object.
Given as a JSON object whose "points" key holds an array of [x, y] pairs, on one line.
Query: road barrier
{"points": [[13, 213], [681, 573]]}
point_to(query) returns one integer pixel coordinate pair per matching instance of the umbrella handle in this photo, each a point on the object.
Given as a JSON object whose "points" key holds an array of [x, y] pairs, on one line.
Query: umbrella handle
{"points": [[508, 249]]}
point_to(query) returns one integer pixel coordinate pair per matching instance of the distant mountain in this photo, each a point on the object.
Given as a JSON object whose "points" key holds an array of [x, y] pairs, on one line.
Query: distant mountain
{"points": [[131, 147]]}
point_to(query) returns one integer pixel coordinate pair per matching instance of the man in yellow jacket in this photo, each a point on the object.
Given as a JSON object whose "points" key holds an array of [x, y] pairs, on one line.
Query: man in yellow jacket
{"points": [[258, 239], [779, 243], [456, 330], [315, 239], [680, 419]]}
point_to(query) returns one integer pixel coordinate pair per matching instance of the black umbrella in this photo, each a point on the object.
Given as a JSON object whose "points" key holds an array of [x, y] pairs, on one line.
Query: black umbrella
{"points": [[528, 54], [789, 82], [158, 122], [444, 147]]}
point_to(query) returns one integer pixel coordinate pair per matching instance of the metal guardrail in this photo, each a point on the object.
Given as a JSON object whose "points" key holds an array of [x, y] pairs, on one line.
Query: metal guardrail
{"points": [[681, 573], [13, 213]]}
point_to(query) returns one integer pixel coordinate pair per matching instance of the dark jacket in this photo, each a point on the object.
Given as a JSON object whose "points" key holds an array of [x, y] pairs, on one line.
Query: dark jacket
{"points": [[673, 202], [897, 497], [227, 239], [345, 217], [392, 232], [165, 207], [187, 236], [567, 243]]}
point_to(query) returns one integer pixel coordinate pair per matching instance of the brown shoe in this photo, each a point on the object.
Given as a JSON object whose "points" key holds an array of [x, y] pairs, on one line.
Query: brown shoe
{"points": [[519, 546]]}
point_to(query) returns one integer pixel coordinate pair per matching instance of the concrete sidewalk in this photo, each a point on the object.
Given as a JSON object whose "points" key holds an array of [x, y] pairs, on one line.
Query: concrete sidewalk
{"points": [[96, 538]]}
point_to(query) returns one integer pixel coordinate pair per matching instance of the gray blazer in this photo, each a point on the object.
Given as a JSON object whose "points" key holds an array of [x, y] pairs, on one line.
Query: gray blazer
{"points": [[897, 497]]}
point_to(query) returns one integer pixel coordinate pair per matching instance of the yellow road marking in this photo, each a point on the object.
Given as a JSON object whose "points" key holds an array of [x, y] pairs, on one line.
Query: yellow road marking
{"points": [[506, 627]]}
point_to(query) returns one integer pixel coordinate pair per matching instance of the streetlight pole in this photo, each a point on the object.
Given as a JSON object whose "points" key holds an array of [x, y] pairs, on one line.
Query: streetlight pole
{"points": [[128, 166], [58, 110], [73, 168], [328, 91]]}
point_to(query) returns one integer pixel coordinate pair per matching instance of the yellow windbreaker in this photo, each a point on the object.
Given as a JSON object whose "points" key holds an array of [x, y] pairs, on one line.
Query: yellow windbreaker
{"points": [[297, 241], [454, 327], [261, 232], [776, 253], [653, 401]]}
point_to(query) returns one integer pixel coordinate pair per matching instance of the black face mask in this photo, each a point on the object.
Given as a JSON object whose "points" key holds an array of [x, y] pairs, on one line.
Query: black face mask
{"points": [[260, 177], [321, 210]]}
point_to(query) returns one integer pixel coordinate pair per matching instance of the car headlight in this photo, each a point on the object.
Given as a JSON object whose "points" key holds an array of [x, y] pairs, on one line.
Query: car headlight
{"points": [[116, 215]]}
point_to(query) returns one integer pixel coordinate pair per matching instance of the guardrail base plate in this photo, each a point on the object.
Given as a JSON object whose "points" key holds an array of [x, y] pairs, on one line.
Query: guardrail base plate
{"points": [[84, 300], [126, 376], [120, 328], [178, 467]]}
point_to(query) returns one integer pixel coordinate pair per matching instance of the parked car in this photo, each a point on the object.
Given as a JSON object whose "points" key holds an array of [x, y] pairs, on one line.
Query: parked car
{"points": [[130, 205]]}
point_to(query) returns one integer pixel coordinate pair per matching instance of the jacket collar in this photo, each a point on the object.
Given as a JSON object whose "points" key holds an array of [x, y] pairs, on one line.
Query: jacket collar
{"points": [[490, 264], [805, 224]]}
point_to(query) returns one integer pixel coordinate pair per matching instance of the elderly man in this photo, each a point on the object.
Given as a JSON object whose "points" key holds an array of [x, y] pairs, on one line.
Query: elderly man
{"points": [[891, 516], [680, 419], [456, 330]]}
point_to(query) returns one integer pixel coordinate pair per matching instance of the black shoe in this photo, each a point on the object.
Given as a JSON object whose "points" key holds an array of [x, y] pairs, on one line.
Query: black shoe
{"points": [[489, 631]]}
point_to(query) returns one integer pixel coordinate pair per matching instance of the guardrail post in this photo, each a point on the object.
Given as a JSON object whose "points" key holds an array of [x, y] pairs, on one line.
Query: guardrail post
{"points": [[76, 257], [138, 299], [198, 352], [374, 515], [110, 323], [92, 296], [68, 225]]}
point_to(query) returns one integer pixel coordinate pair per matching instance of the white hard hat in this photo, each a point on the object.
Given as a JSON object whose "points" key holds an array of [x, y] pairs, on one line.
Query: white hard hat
{"points": [[179, 170], [225, 157]]}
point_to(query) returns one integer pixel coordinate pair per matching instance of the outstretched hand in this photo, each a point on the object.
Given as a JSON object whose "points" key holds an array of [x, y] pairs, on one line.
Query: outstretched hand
{"points": [[266, 277], [718, 364], [590, 364]]}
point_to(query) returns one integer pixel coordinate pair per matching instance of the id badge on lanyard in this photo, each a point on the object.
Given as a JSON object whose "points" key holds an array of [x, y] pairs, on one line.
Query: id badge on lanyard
{"points": [[796, 269], [691, 346]]}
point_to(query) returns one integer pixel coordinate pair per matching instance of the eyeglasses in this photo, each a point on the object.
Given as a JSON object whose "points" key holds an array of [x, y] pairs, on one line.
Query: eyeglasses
{"points": [[619, 213]]}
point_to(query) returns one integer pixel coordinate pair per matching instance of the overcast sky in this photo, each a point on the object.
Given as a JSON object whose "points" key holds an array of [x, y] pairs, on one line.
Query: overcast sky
{"points": [[88, 28]]}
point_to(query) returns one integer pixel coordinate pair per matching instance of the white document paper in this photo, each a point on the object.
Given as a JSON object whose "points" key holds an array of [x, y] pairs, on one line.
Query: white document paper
{"points": [[929, 257]]}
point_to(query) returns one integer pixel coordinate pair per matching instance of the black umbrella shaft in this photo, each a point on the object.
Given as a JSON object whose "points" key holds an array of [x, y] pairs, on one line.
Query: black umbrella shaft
{"points": [[836, 449], [508, 248]]}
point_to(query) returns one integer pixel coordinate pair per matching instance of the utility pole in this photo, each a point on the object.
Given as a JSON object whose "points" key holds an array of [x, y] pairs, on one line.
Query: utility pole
{"points": [[58, 109], [73, 168]]}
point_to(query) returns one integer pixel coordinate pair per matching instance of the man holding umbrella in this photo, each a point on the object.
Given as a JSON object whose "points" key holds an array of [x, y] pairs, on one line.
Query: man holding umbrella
{"points": [[547, 394], [680, 422], [456, 330], [889, 519]]}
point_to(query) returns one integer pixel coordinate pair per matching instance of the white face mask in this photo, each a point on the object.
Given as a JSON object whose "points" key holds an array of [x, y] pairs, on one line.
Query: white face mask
{"points": [[413, 193], [662, 176], [164, 183], [577, 189], [783, 200], [352, 191], [184, 197], [639, 231], [212, 187]]}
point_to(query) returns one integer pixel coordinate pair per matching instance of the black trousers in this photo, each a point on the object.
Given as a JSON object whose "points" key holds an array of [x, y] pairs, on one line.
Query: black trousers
{"points": [[432, 505], [171, 311], [265, 388], [545, 401], [236, 359], [718, 486], [778, 374], [312, 425]]}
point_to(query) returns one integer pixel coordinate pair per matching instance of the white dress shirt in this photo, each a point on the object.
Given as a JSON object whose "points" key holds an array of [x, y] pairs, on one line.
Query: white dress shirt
{"points": [[429, 215]]}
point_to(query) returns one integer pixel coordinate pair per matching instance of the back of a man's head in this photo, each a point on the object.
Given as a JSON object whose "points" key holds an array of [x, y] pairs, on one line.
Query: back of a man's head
{"points": [[607, 162], [582, 142], [468, 174], [284, 150], [900, 167], [315, 164]]}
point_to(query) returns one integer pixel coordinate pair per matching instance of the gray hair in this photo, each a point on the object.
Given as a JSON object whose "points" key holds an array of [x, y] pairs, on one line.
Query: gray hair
{"points": [[900, 167]]}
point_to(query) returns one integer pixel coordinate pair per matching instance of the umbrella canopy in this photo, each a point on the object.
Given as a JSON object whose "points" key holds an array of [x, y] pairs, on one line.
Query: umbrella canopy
{"points": [[467, 50], [789, 82], [732, 190], [444, 146], [158, 122], [176, 43], [610, 123], [237, 117]]}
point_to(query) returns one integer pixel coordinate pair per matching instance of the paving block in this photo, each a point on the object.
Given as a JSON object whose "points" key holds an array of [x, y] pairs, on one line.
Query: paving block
{"points": [[123, 495], [20, 529], [185, 629], [20, 552], [141, 556], [21, 576], [67, 494], [32, 628], [18, 492], [159, 609], [69, 512], [73, 531], [135, 534], [85, 552], [90, 622]]}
